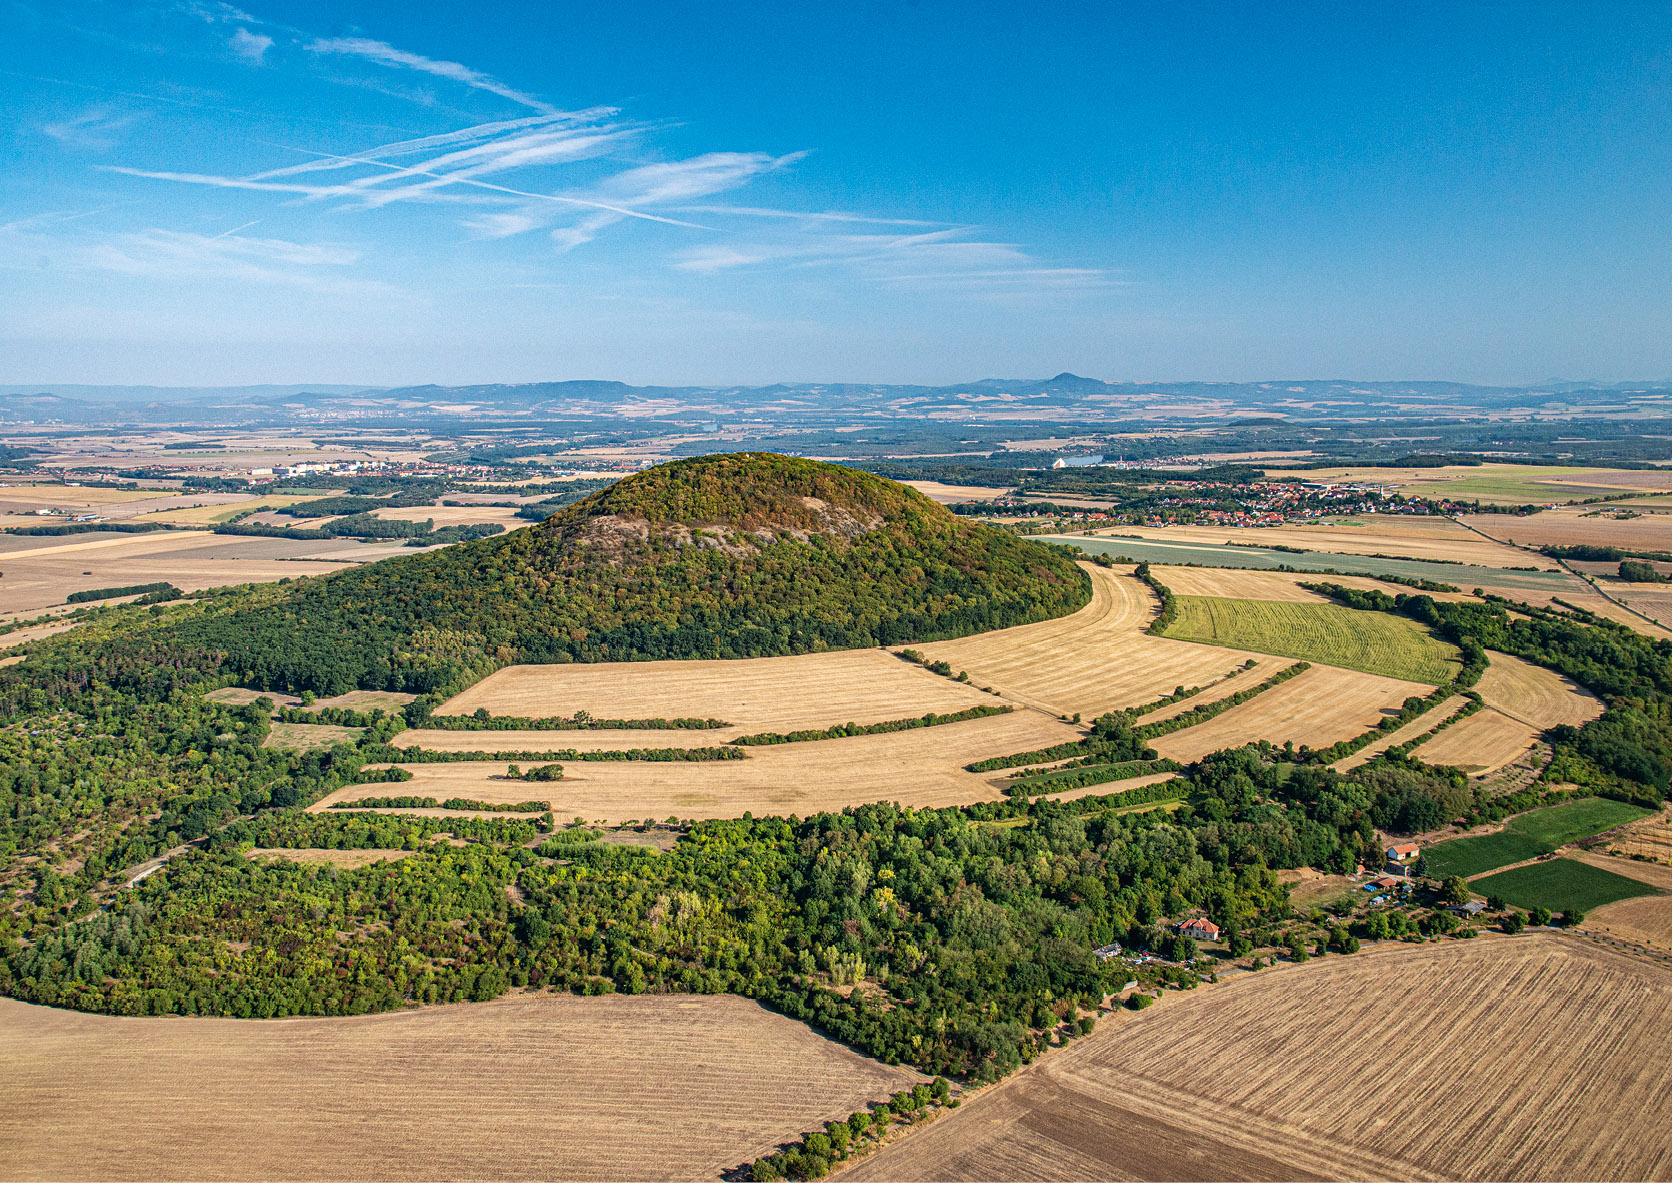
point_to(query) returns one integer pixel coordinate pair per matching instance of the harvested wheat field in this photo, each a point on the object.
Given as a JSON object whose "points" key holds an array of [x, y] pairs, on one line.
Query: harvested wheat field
{"points": [[597, 740], [671, 1087], [40, 572], [1096, 660], [1650, 838], [924, 766], [1244, 584], [755, 694], [1546, 1060], [1484, 742], [454, 515], [1417, 538], [1319, 707], [953, 494], [1534, 694], [1421, 725], [1579, 525], [1647, 919]]}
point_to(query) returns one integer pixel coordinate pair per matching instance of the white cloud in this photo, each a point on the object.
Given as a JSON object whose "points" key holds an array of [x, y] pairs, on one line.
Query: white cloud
{"points": [[95, 128], [387, 55], [252, 47]]}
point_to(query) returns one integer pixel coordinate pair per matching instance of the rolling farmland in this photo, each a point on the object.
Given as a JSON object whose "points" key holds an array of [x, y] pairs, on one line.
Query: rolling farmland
{"points": [[919, 767], [1522, 700], [1373, 642], [1317, 708], [531, 1087], [1482, 743], [1534, 694], [1099, 659], [1240, 1081], [1243, 584], [755, 694]]}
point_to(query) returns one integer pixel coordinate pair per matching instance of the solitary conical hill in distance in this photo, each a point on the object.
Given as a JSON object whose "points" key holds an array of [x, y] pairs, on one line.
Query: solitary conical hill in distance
{"points": [[727, 556]]}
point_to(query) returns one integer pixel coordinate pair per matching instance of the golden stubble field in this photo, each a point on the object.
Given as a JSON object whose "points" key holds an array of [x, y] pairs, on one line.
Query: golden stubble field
{"points": [[922, 767], [541, 1087], [1647, 919], [756, 694], [1593, 525], [1318, 707], [1371, 534], [1537, 1057], [1522, 700], [41, 572], [1284, 586], [1096, 660]]}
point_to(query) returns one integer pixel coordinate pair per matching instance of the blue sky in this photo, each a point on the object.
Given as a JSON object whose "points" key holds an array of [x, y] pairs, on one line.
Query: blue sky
{"points": [[194, 193]]}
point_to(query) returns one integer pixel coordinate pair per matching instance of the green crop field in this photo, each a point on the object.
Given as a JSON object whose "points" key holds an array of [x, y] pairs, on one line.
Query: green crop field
{"points": [[1473, 856], [1529, 836], [1561, 885], [1375, 642], [1569, 822]]}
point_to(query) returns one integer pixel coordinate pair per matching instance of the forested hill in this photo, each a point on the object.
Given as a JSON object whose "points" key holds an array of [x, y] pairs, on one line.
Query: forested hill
{"points": [[740, 555]]}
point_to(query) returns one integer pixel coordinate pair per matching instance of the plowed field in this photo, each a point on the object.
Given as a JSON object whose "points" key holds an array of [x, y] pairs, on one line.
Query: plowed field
{"points": [[675, 1087], [1546, 1060]]}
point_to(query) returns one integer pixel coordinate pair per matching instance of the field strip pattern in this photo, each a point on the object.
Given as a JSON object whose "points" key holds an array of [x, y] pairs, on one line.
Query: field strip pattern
{"points": [[542, 1087], [1420, 725], [1318, 707], [1545, 1060], [754, 694], [1097, 660], [923, 766]]}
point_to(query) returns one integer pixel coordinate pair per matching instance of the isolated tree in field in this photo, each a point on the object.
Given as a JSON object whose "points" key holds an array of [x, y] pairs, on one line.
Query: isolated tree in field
{"points": [[1455, 890], [1541, 916], [1514, 922]]}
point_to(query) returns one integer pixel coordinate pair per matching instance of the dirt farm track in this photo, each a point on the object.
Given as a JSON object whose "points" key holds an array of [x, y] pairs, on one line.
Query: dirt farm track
{"points": [[678, 1087], [1535, 1057]]}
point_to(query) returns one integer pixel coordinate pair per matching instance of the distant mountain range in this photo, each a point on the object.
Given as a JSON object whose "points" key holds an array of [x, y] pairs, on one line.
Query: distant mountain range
{"points": [[1067, 398]]}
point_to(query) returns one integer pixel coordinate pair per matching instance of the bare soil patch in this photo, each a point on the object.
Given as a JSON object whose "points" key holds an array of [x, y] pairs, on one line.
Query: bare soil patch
{"points": [[1546, 1060], [756, 694], [543, 1087], [345, 859], [307, 736]]}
